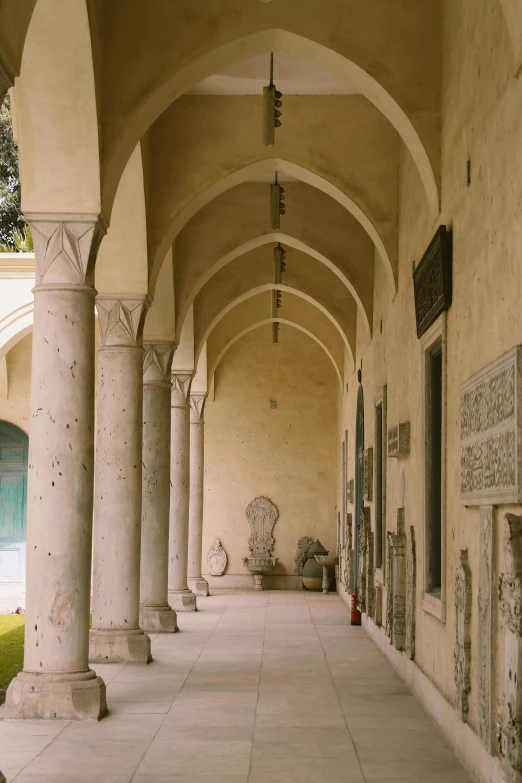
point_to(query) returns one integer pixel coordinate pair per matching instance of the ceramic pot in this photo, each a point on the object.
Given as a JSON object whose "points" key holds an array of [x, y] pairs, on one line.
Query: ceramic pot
{"points": [[312, 571]]}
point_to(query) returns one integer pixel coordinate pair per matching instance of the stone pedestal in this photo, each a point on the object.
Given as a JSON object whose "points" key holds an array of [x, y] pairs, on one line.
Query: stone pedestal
{"points": [[116, 636], [181, 599], [155, 612], [56, 681], [196, 582]]}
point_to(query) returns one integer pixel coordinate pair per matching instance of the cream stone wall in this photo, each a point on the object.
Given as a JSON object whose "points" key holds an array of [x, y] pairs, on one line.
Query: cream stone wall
{"points": [[15, 388], [481, 122], [287, 454]]}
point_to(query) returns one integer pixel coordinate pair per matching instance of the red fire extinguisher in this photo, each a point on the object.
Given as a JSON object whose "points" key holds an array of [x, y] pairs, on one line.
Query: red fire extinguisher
{"points": [[355, 615]]}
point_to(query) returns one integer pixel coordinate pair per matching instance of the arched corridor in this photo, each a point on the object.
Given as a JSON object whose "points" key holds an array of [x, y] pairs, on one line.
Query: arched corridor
{"points": [[260, 341]]}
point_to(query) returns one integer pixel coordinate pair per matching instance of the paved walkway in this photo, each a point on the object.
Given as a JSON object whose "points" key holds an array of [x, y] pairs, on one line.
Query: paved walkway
{"points": [[271, 687]]}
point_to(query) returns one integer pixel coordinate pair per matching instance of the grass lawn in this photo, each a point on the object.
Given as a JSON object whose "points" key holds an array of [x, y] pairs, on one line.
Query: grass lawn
{"points": [[11, 646]]}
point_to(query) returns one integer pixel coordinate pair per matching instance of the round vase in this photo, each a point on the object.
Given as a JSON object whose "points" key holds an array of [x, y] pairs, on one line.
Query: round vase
{"points": [[313, 575], [312, 571]]}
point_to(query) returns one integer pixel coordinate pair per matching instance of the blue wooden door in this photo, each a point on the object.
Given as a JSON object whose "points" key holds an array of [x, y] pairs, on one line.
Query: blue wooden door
{"points": [[13, 493]]}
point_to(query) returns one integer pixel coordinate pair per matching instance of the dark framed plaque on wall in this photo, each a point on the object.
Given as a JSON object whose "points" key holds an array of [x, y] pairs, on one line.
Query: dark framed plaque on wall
{"points": [[432, 280]]}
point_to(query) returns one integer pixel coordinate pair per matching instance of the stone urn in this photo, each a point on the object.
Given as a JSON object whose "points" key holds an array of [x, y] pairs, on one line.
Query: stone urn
{"points": [[260, 565], [261, 515], [313, 571], [326, 561]]}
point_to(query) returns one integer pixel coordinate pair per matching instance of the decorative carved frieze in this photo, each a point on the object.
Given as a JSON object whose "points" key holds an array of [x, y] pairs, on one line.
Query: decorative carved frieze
{"points": [[261, 514], [303, 545], [491, 433], [65, 247], [462, 650], [217, 559], [510, 605], [121, 318], [411, 586], [368, 474], [157, 361], [397, 583], [197, 406], [432, 281], [486, 602], [181, 382], [399, 440]]}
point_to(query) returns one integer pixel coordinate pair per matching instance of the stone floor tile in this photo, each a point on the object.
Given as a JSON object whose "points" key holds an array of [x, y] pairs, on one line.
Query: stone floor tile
{"points": [[163, 762], [67, 778], [304, 742], [211, 778], [266, 688], [298, 769]]}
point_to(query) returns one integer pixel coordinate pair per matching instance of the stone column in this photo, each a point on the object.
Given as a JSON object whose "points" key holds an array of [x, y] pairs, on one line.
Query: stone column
{"points": [[180, 597], [116, 636], [56, 681], [155, 612], [196, 583]]}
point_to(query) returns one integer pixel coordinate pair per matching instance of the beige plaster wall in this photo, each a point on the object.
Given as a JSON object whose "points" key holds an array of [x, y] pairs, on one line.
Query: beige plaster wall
{"points": [[481, 122], [15, 388], [287, 454]]}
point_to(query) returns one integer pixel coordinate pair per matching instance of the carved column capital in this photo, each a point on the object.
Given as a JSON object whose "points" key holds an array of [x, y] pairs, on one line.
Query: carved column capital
{"points": [[66, 247], [197, 406], [157, 362], [181, 382], [121, 318]]}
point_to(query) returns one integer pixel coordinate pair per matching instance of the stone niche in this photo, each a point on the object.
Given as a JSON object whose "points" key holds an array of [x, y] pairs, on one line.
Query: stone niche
{"points": [[491, 433]]}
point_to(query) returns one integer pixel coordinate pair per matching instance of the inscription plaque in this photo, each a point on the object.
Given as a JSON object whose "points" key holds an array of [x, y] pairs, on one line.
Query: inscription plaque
{"points": [[399, 440], [491, 433], [432, 281]]}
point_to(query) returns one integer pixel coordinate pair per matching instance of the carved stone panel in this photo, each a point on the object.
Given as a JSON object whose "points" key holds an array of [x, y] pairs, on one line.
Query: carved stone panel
{"points": [[491, 433], [462, 650], [349, 557], [486, 602], [350, 491], [217, 559], [389, 587], [303, 545], [369, 563], [368, 474], [397, 583], [377, 605], [411, 586], [261, 514], [399, 440], [510, 605], [361, 575]]}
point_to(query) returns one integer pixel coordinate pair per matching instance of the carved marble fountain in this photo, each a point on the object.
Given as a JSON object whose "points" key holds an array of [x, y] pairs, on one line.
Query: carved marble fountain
{"points": [[261, 514]]}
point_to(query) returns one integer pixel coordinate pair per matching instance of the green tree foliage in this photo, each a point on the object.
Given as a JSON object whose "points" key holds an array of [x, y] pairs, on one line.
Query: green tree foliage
{"points": [[12, 223]]}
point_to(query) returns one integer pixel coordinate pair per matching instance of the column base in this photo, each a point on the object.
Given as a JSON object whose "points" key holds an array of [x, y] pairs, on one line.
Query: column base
{"points": [[182, 600], [158, 619], [119, 646], [199, 586], [67, 696]]}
